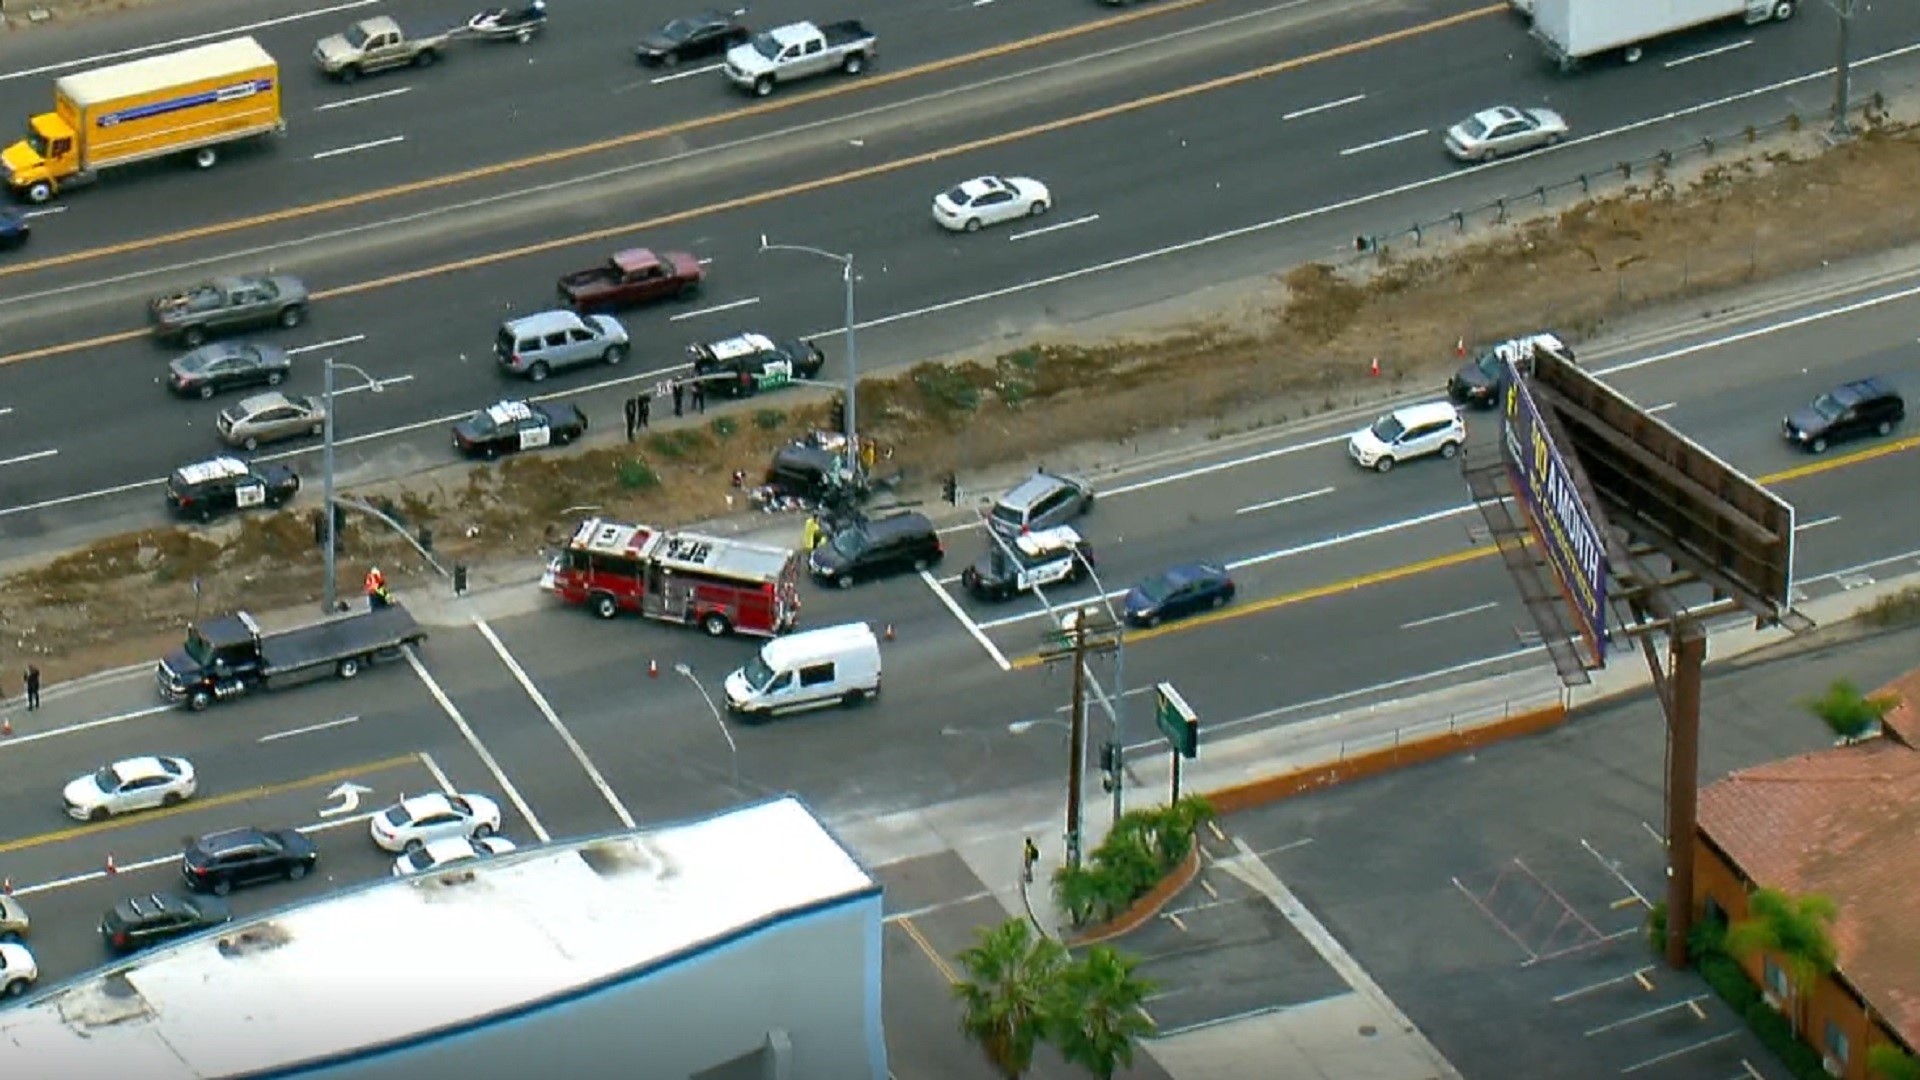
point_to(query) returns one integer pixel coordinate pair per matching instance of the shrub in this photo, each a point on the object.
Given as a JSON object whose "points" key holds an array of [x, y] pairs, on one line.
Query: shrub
{"points": [[723, 427], [677, 445], [769, 419], [1847, 711], [637, 475], [1895, 609], [1141, 849]]}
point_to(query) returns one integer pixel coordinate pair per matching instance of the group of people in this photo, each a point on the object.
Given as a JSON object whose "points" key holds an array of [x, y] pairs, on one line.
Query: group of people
{"points": [[639, 407]]}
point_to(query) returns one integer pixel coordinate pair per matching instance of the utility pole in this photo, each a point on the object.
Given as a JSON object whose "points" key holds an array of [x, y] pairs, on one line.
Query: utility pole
{"points": [[1687, 658], [1843, 71], [1087, 632]]}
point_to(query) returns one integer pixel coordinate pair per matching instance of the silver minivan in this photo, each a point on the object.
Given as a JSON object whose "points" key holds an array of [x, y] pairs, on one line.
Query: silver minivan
{"points": [[1041, 501], [538, 345]]}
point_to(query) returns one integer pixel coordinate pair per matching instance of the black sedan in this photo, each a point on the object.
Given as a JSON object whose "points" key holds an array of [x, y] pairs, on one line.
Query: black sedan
{"points": [[695, 37], [140, 921], [508, 427], [1179, 591], [14, 228], [211, 369], [218, 862]]}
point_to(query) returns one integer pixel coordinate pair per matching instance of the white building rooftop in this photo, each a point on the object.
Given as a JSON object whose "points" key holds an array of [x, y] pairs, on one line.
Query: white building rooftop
{"points": [[405, 957]]}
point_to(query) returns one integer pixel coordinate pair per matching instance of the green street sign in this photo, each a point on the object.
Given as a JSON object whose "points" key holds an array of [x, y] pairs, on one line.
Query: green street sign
{"points": [[1176, 721]]}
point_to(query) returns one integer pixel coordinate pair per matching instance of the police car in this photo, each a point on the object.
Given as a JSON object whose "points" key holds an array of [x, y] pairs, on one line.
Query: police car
{"points": [[1479, 380], [746, 364], [508, 427], [208, 488], [1028, 561]]}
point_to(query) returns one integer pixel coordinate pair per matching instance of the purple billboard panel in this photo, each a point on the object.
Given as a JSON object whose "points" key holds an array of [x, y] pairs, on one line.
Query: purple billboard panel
{"points": [[1561, 522]]}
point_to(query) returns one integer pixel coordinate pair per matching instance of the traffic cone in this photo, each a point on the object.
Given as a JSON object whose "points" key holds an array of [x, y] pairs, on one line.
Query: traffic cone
{"points": [[6, 727], [653, 669], [111, 869], [1373, 369], [889, 631], [1460, 348]]}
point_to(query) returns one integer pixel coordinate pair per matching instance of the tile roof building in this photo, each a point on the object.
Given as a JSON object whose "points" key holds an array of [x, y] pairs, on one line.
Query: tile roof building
{"points": [[1843, 823]]}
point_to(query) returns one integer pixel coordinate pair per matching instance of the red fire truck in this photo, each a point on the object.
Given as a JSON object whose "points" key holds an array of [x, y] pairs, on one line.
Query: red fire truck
{"points": [[721, 586]]}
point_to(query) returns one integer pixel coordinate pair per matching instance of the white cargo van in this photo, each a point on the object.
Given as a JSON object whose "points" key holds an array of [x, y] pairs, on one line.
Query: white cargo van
{"points": [[835, 665]]}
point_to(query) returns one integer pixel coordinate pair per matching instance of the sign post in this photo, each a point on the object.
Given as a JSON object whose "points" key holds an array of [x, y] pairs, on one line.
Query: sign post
{"points": [[1177, 721]]}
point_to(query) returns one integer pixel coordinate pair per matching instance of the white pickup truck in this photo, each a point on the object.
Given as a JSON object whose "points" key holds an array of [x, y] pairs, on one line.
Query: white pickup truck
{"points": [[798, 51], [376, 44]]}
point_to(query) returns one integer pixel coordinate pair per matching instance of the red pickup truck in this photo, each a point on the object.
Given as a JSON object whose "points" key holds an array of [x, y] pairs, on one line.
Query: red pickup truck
{"points": [[631, 278]]}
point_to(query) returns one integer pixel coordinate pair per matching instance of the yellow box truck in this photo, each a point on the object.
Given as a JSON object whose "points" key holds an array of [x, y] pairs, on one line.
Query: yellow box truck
{"points": [[189, 102]]}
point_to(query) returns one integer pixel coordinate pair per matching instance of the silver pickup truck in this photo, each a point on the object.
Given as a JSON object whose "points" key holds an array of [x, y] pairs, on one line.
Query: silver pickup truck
{"points": [[798, 51], [377, 44]]}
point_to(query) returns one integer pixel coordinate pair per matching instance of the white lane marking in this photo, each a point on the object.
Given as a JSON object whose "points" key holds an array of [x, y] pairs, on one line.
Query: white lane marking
{"points": [[45, 211], [88, 61], [439, 774], [1450, 616], [1056, 227], [1794, 323], [332, 343], [1222, 466], [6, 412], [357, 147], [1288, 501], [1816, 523], [553, 720], [1662, 408], [362, 387], [1255, 560], [479, 748], [973, 628], [309, 729], [165, 860], [1388, 141], [687, 74], [347, 103], [89, 725], [958, 901], [729, 306], [948, 580], [1325, 107], [24, 458], [1709, 53]]}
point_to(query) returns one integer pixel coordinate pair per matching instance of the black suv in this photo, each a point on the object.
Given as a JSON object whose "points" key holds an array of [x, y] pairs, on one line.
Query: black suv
{"points": [[1480, 380], [219, 861], [140, 921], [871, 548], [212, 487], [1850, 411]]}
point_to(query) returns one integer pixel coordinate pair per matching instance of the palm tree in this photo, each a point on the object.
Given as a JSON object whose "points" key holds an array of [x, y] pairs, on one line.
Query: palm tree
{"points": [[1012, 979], [1796, 931], [1097, 1015]]}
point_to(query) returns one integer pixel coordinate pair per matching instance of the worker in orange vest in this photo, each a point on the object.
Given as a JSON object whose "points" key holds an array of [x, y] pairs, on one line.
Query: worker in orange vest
{"points": [[377, 595]]}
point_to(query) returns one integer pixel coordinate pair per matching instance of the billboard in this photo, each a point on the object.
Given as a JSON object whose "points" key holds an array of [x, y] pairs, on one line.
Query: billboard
{"points": [[1561, 522]]}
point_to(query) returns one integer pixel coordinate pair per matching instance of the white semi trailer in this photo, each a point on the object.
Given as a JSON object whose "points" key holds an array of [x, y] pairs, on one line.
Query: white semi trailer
{"points": [[1575, 30]]}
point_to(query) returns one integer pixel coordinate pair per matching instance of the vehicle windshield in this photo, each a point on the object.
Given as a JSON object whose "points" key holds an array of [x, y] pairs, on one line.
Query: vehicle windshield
{"points": [[481, 421], [1828, 407], [679, 30], [757, 672], [35, 140], [958, 197], [106, 779], [419, 859], [766, 46], [1490, 366], [850, 542], [198, 650], [194, 362], [1388, 428], [356, 37], [1473, 128], [1154, 590]]}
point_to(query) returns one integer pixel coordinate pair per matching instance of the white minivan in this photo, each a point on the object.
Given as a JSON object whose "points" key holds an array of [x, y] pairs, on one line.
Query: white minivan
{"points": [[835, 665]]}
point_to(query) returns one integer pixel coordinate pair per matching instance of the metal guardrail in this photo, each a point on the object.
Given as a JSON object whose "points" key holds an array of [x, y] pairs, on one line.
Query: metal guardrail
{"points": [[1872, 113], [1452, 723]]}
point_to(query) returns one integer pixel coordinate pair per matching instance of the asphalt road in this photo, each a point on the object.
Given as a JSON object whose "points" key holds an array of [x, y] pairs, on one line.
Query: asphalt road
{"points": [[1148, 149]]}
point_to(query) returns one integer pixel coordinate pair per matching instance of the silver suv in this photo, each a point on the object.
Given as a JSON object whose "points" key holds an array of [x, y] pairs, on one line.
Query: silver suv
{"points": [[1041, 501], [538, 345]]}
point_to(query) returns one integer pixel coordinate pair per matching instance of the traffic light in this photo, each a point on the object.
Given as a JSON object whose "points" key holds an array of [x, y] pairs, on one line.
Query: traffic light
{"points": [[950, 489], [1109, 758]]}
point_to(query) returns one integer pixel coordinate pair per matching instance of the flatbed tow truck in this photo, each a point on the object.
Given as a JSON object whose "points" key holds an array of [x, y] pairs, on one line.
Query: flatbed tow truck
{"points": [[230, 655]]}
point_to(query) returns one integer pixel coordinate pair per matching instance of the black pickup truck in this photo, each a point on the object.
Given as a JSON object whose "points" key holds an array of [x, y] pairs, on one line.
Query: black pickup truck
{"points": [[230, 655]]}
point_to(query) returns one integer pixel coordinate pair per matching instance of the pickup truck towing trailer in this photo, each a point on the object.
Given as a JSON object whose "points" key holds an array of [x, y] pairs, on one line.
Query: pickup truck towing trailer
{"points": [[228, 656], [186, 103], [1575, 30], [378, 44], [799, 51]]}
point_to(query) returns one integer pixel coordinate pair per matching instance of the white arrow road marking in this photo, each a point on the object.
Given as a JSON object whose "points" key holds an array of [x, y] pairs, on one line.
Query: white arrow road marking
{"points": [[347, 795]]}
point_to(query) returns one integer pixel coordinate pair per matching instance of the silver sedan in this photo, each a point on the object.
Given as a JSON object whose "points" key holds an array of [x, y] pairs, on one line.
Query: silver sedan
{"points": [[270, 417], [1491, 133]]}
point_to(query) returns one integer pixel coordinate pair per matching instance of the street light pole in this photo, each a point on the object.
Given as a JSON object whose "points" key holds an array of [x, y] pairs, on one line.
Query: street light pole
{"points": [[853, 350], [1842, 71], [332, 598], [733, 750]]}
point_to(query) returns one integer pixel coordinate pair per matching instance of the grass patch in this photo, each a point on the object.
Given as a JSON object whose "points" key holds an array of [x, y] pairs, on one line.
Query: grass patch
{"points": [[1895, 609]]}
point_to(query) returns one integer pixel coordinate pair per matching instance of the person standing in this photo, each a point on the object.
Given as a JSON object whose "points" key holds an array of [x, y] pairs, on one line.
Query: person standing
{"points": [[644, 403], [633, 416], [33, 688], [699, 391], [679, 397], [811, 534]]}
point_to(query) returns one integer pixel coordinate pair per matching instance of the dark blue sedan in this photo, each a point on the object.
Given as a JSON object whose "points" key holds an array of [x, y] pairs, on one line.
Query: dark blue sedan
{"points": [[1179, 591], [14, 228]]}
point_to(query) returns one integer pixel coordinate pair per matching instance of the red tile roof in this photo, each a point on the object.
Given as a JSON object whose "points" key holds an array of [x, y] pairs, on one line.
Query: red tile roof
{"points": [[1843, 823]]}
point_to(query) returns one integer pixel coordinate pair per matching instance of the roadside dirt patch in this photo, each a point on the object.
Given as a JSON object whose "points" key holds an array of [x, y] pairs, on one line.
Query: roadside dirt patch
{"points": [[1300, 344]]}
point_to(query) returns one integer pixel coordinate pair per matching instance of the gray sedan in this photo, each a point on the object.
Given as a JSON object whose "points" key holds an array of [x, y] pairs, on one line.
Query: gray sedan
{"points": [[210, 369], [265, 418], [1491, 133]]}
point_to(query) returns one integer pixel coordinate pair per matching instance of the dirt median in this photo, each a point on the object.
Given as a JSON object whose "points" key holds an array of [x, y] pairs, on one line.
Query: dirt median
{"points": [[1294, 345]]}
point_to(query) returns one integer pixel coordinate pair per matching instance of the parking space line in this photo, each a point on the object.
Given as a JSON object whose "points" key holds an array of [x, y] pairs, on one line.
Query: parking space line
{"points": [[89, 725], [553, 721], [1671, 1054], [473, 741], [926, 947], [439, 775], [1638, 973], [973, 628], [264, 791], [148, 864], [1648, 1014]]}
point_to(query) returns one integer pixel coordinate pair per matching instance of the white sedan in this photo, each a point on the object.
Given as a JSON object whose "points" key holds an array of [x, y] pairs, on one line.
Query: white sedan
{"points": [[140, 783], [1505, 130], [990, 200], [419, 821], [17, 970], [440, 854]]}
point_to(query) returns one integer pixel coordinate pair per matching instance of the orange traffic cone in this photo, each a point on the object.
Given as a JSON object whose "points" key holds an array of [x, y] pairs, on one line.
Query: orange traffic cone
{"points": [[889, 631], [653, 669], [111, 869], [6, 726], [1460, 347], [1373, 369]]}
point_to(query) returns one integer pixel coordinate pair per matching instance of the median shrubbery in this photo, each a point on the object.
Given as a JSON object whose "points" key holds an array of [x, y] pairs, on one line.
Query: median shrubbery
{"points": [[1143, 847]]}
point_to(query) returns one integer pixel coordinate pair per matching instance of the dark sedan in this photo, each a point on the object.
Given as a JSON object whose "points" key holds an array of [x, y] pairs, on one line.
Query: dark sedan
{"points": [[140, 921], [1180, 591], [218, 862], [14, 228], [508, 427], [695, 37], [212, 369]]}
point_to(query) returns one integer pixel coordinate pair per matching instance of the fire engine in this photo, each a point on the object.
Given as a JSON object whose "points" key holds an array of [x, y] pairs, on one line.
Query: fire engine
{"points": [[722, 586]]}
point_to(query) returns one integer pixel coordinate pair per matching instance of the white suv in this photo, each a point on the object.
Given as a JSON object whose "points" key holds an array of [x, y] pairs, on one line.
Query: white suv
{"points": [[1409, 432]]}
